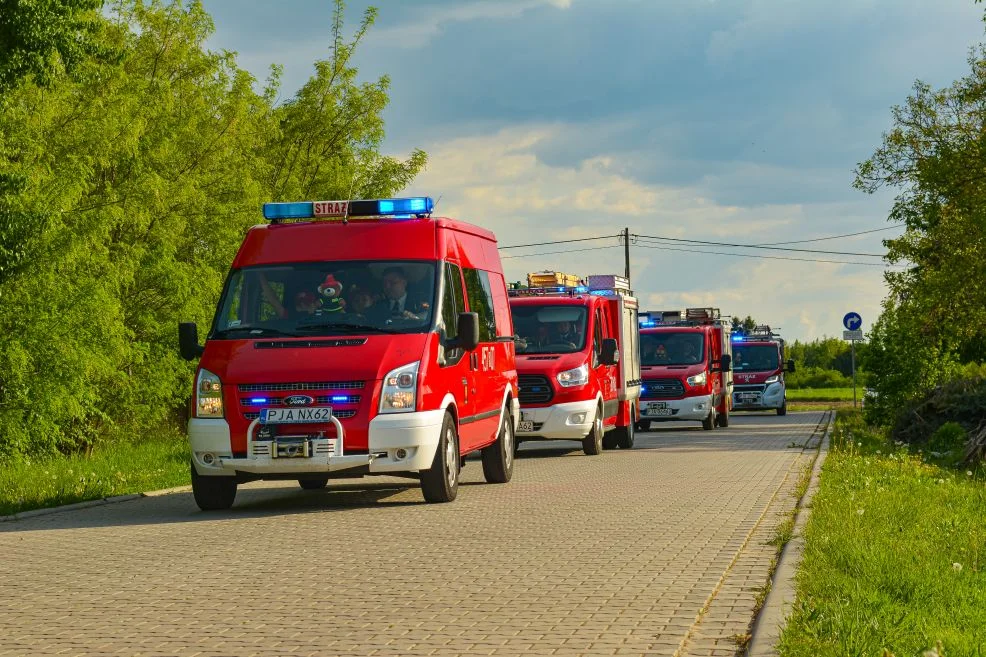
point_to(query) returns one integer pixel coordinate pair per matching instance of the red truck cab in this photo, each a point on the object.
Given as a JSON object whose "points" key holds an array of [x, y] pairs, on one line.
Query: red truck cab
{"points": [[355, 338], [578, 363], [758, 361], [685, 363]]}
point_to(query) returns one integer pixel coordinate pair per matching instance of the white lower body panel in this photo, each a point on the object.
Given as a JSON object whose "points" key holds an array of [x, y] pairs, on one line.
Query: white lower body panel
{"points": [[568, 421], [772, 398], [689, 408]]}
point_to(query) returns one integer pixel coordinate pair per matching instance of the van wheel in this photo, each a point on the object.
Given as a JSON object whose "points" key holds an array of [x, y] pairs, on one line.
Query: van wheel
{"points": [[498, 458], [440, 482], [709, 423], [783, 409], [592, 444], [723, 417], [314, 484], [609, 440], [624, 436], [213, 493]]}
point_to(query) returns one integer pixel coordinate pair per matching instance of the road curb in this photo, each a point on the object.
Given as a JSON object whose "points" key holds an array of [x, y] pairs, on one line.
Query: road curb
{"points": [[77, 506], [767, 627]]}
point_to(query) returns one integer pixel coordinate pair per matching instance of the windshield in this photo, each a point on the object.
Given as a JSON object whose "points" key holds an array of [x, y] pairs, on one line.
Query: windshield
{"points": [[327, 298], [549, 329], [671, 348], [751, 358]]}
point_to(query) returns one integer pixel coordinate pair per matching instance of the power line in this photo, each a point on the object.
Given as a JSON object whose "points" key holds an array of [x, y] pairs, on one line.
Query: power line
{"points": [[754, 246], [766, 257], [581, 239], [834, 237], [541, 253]]}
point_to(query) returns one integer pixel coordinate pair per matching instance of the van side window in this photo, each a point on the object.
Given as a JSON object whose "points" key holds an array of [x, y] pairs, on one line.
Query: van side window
{"points": [[452, 303], [597, 336], [501, 307], [480, 296]]}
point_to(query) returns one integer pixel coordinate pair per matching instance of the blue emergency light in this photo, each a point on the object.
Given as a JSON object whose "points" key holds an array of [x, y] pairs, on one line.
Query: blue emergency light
{"points": [[648, 324], [396, 208], [737, 337]]}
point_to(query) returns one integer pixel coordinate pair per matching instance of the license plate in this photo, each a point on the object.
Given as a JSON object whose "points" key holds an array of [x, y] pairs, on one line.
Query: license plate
{"points": [[312, 415], [525, 425], [658, 408], [747, 398]]}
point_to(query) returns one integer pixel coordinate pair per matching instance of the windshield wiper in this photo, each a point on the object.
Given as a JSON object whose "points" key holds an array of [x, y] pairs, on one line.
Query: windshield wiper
{"points": [[260, 330], [354, 328]]}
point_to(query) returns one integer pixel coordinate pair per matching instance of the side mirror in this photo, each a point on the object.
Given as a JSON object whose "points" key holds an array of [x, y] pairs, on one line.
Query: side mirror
{"points": [[467, 328], [188, 341], [609, 353], [726, 363], [790, 365]]}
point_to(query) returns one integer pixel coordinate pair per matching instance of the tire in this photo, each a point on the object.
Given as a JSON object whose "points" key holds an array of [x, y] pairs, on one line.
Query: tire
{"points": [[624, 436], [783, 409], [440, 482], [723, 418], [609, 441], [213, 493], [709, 423], [314, 484], [592, 444], [643, 425], [498, 458]]}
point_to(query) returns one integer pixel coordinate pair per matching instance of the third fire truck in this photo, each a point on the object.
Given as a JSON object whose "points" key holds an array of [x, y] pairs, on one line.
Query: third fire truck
{"points": [[758, 364]]}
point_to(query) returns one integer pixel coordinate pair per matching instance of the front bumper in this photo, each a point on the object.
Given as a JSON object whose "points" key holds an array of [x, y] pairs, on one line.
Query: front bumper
{"points": [[771, 398], [399, 442], [560, 421], [689, 408]]}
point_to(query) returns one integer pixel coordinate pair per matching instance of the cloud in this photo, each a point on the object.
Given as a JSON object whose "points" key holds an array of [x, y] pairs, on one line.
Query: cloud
{"points": [[499, 182]]}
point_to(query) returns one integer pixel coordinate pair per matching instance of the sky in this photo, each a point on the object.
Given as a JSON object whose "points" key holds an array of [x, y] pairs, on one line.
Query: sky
{"points": [[736, 121]]}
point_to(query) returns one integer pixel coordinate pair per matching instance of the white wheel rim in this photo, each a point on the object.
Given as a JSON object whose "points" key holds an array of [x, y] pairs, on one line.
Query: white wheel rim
{"points": [[452, 472], [508, 443]]}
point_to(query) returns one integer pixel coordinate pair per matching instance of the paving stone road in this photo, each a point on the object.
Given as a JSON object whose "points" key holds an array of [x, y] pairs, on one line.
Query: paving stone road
{"points": [[660, 550]]}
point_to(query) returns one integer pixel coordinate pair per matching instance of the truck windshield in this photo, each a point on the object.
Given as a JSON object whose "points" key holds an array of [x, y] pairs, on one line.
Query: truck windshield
{"points": [[327, 298], [549, 329], [755, 358], [658, 349]]}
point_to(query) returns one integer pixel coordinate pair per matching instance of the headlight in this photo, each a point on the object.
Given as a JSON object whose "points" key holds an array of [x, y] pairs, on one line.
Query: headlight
{"points": [[576, 377], [697, 380], [772, 379], [399, 394], [208, 395]]}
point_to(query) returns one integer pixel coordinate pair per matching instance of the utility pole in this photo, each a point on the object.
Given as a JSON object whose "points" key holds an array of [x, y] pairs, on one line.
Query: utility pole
{"points": [[626, 250], [853, 373]]}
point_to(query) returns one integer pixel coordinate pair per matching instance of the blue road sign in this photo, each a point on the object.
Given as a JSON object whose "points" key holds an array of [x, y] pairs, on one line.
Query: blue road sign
{"points": [[852, 321]]}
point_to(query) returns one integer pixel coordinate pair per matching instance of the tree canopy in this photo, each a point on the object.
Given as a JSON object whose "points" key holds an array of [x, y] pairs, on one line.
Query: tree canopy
{"points": [[127, 185]]}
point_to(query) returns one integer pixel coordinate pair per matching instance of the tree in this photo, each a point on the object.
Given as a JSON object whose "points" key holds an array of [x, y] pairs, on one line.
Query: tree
{"points": [[143, 172], [935, 314], [747, 324]]}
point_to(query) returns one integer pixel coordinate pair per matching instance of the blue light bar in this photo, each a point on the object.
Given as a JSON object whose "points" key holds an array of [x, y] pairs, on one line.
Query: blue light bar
{"points": [[275, 211], [737, 338], [340, 398], [648, 324], [398, 208], [258, 400]]}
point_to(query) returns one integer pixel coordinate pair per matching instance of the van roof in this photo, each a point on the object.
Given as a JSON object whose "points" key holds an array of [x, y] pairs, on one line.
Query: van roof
{"points": [[359, 239]]}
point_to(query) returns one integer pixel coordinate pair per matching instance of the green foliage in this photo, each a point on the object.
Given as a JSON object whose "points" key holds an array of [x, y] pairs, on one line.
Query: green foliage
{"points": [[961, 402], [136, 179], [934, 318], [816, 377], [894, 555], [749, 323]]}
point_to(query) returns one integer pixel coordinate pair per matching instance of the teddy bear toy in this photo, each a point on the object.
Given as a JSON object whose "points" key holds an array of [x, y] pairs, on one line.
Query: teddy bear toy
{"points": [[331, 292]]}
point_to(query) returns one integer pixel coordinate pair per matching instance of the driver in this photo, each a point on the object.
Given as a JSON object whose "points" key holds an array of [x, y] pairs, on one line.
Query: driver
{"points": [[565, 332], [397, 303]]}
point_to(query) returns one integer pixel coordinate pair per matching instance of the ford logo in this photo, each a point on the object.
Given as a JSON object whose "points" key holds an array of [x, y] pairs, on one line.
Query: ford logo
{"points": [[298, 400]]}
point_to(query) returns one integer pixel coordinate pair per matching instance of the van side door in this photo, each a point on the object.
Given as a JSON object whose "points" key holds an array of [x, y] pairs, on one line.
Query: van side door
{"points": [[481, 427], [454, 362]]}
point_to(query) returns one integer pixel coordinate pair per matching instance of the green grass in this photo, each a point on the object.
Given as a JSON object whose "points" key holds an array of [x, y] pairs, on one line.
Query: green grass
{"points": [[894, 556], [116, 468], [823, 394]]}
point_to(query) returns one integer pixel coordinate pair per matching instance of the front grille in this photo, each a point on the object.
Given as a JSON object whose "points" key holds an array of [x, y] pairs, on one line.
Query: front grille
{"points": [[661, 389], [748, 388], [342, 415], [324, 399], [543, 357], [285, 387], [535, 389]]}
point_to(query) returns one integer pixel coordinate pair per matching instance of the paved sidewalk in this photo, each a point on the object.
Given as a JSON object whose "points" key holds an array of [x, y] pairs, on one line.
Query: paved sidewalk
{"points": [[657, 551]]}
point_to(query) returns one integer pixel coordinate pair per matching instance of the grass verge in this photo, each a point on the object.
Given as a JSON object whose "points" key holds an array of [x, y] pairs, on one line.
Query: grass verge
{"points": [[116, 468], [822, 394], [894, 554]]}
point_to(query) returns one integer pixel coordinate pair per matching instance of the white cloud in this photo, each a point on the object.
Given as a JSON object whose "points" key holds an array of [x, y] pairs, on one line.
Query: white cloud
{"points": [[499, 182], [434, 20]]}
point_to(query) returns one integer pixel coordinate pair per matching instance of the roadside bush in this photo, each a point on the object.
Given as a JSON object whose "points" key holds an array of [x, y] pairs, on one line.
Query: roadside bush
{"points": [[817, 377], [961, 403]]}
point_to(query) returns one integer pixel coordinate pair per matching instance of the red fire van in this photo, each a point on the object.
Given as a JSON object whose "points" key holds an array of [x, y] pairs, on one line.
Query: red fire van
{"points": [[355, 338], [578, 362]]}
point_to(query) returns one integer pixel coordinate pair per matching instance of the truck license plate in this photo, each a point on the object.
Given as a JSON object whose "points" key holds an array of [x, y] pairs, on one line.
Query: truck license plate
{"points": [[748, 397], [658, 409], [310, 415], [525, 426]]}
